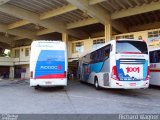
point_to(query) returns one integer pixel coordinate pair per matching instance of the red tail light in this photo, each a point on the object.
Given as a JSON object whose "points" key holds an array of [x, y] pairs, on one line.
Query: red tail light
{"points": [[148, 73], [65, 74], [114, 73], [31, 74]]}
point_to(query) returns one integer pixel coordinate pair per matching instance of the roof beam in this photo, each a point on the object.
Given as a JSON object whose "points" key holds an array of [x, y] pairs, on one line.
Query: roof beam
{"points": [[82, 23], [18, 24], [5, 45], [45, 15], [71, 26], [3, 1], [32, 17], [18, 38], [92, 2], [7, 40], [45, 31], [154, 25], [137, 10], [22, 33], [18, 32], [57, 11], [78, 32], [96, 12], [118, 26]]}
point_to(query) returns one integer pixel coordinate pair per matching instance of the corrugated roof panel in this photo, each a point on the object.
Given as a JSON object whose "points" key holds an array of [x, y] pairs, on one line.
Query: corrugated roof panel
{"points": [[72, 16], [38, 6], [32, 27], [7, 19]]}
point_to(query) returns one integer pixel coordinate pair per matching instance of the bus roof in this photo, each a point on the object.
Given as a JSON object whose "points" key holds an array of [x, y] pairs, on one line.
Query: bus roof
{"points": [[47, 41], [94, 49], [48, 45]]}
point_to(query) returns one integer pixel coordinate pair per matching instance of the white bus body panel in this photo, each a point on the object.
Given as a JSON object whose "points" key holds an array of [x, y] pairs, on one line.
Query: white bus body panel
{"points": [[155, 78], [36, 49], [155, 74], [48, 82]]}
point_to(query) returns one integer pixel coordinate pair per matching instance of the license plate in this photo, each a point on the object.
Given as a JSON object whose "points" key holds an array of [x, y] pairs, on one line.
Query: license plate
{"points": [[132, 84], [48, 83]]}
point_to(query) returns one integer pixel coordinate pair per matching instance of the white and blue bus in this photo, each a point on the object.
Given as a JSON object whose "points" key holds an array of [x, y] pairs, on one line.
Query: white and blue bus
{"points": [[120, 63], [155, 66], [48, 63]]}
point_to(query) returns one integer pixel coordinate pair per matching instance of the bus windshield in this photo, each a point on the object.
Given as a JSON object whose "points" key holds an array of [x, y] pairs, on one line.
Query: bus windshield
{"points": [[132, 47]]}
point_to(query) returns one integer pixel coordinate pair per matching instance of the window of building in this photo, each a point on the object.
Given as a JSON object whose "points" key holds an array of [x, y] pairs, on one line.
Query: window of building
{"points": [[131, 36], [78, 47], [17, 53], [27, 52], [98, 42], [154, 35]]}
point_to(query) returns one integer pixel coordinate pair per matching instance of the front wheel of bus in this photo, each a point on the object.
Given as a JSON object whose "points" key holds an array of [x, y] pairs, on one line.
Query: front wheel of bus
{"points": [[96, 84]]}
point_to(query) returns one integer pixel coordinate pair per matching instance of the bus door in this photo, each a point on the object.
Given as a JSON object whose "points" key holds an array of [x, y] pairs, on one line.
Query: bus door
{"points": [[86, 71]]}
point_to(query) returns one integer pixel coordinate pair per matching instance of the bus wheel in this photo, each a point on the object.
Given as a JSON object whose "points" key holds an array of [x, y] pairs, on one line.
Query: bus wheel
{"points": [[96, 84], [64, 88], [81, 81], [36, 87]]}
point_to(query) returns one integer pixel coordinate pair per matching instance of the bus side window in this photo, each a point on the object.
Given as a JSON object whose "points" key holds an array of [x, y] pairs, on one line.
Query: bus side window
{"points": [[100, 55], [158, 57], [155, 57], [151, 57], [93, 57], [107, 52]]}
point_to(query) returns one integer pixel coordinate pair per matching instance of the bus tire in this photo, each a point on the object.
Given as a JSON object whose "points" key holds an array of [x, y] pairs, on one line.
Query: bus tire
{"points": [[82, 82], [36, 87], [96, 84], [64, 88]]}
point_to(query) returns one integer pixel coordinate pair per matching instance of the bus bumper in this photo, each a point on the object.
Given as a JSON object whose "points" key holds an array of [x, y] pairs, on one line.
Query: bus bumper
{"points": [[130, 84], [48, 82]]}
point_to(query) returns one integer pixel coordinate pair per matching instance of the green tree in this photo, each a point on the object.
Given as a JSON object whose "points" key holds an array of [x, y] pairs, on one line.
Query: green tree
{"points": [[9, 54]]}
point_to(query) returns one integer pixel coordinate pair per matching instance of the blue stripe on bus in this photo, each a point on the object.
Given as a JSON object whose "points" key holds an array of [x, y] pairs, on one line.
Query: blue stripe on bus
{"points": [[145, 69], [50, 62], [96, 67]]}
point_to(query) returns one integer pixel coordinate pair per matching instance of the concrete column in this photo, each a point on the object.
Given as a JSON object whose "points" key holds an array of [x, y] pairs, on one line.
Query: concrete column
{"points": [[108, 32], [11, 73], [65, 39]]}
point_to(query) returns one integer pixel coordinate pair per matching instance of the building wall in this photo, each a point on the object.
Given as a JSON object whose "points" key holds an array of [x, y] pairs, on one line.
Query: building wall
{"points": [[21, 63], [142, 34], [22, 59], [6, 61], [88, 44]]}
